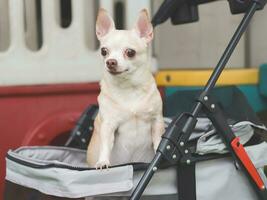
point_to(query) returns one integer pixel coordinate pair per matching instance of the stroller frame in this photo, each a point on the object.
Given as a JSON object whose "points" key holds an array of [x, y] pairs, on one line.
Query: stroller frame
{"points": [[173, 146]]}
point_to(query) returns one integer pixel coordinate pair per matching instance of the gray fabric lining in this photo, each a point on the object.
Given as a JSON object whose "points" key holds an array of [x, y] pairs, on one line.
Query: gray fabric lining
{"points": [[216, 179], [52, 155], [208, 141]]}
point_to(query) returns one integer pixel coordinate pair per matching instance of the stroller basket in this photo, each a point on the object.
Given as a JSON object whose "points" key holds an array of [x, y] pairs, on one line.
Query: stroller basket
{"points": [[62, 172]]}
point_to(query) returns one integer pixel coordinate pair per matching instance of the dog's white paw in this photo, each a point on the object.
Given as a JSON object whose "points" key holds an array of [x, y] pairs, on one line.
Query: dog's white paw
{"points": [[101, 164]]}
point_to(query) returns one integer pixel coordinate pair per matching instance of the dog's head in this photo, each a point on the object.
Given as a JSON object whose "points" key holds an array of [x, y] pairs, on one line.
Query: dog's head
{"points": [[123, 51]]}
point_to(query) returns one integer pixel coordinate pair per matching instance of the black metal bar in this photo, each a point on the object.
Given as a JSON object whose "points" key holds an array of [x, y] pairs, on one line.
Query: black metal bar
{"points": [[137, 193]]}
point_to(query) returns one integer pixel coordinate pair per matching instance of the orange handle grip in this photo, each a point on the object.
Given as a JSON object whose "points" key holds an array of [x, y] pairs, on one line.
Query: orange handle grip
{"points": [[243, 156]]}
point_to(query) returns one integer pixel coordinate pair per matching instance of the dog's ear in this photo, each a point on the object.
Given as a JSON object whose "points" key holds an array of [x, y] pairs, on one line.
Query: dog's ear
{"points": [[104, 23], [143, 26]]}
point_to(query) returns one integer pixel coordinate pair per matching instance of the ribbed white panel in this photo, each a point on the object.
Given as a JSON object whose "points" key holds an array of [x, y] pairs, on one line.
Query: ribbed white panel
{"points": [[64, 56], [31, 34], [4, 25], [68, 55], [16, 25]]}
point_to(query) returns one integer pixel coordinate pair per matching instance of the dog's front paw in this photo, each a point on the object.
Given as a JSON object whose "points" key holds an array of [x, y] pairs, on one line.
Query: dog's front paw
{"points": [[101, 164]]}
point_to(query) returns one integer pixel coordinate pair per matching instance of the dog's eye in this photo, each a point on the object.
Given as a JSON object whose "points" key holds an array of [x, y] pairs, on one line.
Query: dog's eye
{"points": [[104, 51], [130, 53]]}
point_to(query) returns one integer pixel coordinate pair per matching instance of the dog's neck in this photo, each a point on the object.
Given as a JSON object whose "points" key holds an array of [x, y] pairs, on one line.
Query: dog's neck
{"points": [[131, 91], [139, 79]]}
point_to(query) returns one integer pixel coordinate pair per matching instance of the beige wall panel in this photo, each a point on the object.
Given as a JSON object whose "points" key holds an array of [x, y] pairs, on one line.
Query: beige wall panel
{"points": [[199, 45], [258, 39]]}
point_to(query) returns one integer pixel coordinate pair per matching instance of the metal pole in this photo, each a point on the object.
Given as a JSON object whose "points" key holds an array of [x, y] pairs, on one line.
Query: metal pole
{"points": [[152, 168]]}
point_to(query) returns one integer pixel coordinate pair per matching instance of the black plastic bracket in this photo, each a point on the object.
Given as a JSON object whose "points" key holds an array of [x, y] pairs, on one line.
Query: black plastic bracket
{"points": [[208, 102], [240, 6], [261, 3], [81, 133], [173, 146]]}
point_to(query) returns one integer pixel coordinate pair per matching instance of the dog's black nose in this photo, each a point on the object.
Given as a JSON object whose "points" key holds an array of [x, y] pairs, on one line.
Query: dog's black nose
{"points": [[112, 64]]}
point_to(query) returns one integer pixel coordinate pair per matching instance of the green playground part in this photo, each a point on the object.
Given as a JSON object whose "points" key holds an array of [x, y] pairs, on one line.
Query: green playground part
{"points": [[263, 80], [257, 101], [255, 94]]}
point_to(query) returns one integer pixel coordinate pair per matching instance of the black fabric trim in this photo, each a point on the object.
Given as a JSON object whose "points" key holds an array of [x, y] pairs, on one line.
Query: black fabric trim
{"points": [[136, 166], [186, 182]]}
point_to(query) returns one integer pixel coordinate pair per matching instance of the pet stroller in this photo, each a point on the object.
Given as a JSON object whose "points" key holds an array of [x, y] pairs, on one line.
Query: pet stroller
{"points": [[63, 172], [201, 155]]}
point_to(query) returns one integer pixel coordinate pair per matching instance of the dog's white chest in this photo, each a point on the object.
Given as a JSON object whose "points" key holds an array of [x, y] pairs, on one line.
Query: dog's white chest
{"points": [[133, 142], [133, 112]]}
